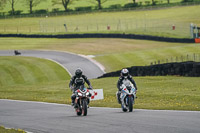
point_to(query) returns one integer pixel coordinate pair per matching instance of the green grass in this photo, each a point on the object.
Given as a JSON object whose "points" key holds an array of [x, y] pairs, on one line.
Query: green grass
{"points": [[170, 92], [26, 70], [4, 130], [118, 61], [149, 22]]}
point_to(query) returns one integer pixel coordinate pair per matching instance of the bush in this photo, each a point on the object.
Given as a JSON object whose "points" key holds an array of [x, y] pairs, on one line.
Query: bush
{"points": [[187, 0], [88, 8], [117, 6], [130, 5], [18, 12], [55, 10], [42, 11], [147, 3]]}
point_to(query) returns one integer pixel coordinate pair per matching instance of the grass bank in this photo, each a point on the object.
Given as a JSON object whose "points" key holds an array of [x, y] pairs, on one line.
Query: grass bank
{"points": [[114, 54], [28, 70]]}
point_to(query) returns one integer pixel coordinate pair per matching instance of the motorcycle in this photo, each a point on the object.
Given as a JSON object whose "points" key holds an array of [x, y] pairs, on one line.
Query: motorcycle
{"points": [[128, 95], [82, 100]]}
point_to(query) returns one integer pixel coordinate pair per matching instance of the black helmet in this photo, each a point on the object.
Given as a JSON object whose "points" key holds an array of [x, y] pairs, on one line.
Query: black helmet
{"points": [[125, 72], [78, 72]]}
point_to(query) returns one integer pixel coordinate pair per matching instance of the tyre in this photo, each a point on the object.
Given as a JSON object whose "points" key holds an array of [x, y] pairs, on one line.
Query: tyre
{"points": [[79, 113], [123, 109], [84, 108], [130, 104]]}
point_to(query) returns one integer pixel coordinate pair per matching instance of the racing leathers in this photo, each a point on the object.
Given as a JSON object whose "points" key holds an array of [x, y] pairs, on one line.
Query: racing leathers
{"points": [[76, 82], [120, 82]]}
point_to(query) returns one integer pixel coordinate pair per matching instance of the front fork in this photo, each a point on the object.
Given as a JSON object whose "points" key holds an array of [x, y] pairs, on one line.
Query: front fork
{"points": [[123, 96]]}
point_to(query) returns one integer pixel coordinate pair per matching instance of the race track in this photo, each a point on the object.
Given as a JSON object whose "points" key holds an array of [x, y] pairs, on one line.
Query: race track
{"points": [[68, 60], [39, 117]]}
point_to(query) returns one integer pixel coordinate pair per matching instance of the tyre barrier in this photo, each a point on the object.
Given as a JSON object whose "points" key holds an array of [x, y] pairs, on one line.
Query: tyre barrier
{"points": [[189, 69], [124, 36]]}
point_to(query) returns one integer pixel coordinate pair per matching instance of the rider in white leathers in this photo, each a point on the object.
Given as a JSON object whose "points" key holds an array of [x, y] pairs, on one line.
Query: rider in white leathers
{"points": [[124, 75]]}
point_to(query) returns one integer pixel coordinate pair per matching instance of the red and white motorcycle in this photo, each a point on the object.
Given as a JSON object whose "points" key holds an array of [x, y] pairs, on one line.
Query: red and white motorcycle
{"points": [[82, 100]]}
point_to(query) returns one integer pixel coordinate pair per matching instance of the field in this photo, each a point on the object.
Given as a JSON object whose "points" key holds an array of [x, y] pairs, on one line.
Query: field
{"points": [[149, 22]]}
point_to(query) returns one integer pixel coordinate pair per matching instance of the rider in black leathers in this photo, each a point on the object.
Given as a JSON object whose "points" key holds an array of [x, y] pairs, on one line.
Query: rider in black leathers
{"points": [[124, 75], [76, 82]]}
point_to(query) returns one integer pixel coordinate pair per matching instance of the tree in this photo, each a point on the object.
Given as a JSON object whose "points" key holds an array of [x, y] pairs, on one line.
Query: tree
{"points": [[153, 2], [12, 3], [100, 2], [168, 1], [65, 3], [134, 1], [2, 3], [33, 3]]}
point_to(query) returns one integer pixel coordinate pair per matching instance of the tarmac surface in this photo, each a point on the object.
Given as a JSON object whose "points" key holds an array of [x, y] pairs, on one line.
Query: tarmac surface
{"points": [[38, 117]]}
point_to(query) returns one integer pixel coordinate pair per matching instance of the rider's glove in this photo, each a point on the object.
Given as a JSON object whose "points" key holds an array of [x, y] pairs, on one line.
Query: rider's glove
{"points": [[120, 88], [90, 87]]}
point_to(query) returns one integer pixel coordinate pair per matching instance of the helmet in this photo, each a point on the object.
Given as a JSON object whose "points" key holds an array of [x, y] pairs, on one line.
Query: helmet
{"points": [[78, 72], [124, 72]]}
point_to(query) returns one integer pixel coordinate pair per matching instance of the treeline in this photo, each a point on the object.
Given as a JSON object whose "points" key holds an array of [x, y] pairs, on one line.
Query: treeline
{"points": [[66, 5]]}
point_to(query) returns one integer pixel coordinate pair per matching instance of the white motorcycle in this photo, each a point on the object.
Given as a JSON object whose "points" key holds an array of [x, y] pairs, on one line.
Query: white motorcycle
{"points": [[128, 95]]}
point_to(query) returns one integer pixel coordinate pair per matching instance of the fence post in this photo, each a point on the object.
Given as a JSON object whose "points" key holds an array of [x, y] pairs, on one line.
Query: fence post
{"points": [[181, 58]]}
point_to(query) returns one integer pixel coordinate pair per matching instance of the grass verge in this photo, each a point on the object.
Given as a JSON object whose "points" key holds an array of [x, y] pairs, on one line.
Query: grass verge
{"points": [[165, 93], [4, 130]]}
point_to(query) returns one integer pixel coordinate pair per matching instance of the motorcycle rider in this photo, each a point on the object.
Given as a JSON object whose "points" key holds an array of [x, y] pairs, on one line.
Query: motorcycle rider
{"points": [[76, 82], [124, 75]]}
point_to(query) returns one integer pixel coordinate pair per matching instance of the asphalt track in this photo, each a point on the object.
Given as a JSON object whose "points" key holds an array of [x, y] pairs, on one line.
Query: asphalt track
{"points": [[40, 117], [69, 61]]}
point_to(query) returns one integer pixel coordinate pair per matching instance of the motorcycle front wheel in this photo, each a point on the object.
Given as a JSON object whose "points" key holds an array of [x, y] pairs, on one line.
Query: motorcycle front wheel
{"points": [[130, 104], [84, 108]]}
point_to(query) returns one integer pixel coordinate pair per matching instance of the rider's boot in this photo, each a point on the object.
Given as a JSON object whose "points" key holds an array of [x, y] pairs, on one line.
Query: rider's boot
{"points": [[72, 103], [75, 105], [73, 99]]}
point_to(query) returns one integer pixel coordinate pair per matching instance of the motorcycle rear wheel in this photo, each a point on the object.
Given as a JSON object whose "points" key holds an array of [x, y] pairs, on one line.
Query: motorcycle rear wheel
{"points": [[79, 113]]}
